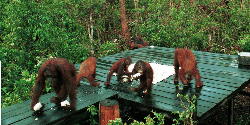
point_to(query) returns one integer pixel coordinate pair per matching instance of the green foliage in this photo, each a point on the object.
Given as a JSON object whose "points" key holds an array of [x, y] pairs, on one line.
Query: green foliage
{"points": [[149, 120], [104, 49], [57, 28], [31, 29], [17, 96], [243, 120], [117, 121], [186, 117], [245, 42], [160, 117], [22, 88], [185, 24], [93, 114]]}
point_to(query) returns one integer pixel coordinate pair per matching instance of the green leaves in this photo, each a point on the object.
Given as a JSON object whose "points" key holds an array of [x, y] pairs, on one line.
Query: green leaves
{"points": [[117, 121], [186, 116], [94, 113], [158, 119]]}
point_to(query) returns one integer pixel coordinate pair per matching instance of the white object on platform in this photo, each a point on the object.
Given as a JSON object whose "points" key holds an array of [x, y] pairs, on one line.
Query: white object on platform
{"points": [[160, 71], [38, 106], [114, 74], [125, 80], [136, 75], [65, 103]]}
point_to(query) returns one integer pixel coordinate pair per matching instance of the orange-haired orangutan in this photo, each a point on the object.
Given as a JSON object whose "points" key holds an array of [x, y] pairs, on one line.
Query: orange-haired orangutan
{"points": [[138, 43], [185, 59], [120, 67], [61, 74], [146, 77], [88, 70]]}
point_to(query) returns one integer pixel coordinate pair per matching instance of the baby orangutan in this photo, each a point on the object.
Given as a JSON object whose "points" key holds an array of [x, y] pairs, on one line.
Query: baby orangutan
{"points": [[146, 77], [185, 59], [138, 43], [88, 70], [120, 67]]}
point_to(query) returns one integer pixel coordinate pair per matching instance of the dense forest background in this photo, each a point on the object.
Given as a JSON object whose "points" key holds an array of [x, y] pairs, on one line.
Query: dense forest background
{"points": [[32, 31]]}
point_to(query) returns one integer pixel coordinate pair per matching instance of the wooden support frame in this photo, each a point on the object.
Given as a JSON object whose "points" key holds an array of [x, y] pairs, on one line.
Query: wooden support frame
{"points": [[231, 111], [244, 93]]}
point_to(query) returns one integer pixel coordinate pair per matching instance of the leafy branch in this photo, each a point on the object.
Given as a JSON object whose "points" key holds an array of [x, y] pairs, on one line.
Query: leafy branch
{"points": [[186, 116]]}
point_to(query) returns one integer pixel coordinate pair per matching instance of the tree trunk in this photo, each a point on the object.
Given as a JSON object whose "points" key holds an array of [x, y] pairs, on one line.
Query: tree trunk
{"points": [[125, 31]]}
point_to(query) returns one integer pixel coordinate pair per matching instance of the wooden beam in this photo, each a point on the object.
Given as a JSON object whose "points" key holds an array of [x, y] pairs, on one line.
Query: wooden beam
{"points": [[231, 111]]}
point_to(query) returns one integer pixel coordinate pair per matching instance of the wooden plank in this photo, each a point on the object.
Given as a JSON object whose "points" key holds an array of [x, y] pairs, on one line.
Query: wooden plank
{"points": [[245, 93], [149, 102], [159, 96], [206, 88], [17, 109], [156, 102], [203, 104], [224, 100], [87, 95], [202, 96], [51, 116], [224, 81], [227, 71]]}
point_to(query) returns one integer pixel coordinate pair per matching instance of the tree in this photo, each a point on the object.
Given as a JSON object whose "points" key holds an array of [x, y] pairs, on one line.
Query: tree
{"points": [[125, 32]]}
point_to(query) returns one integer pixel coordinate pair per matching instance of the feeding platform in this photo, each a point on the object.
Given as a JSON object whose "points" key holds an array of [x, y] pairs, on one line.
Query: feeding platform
{"points": [[219, 72]]}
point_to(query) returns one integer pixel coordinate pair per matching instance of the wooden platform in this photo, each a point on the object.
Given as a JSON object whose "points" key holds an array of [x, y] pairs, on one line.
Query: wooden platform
{"points": [[219, 72], [20, 114]]}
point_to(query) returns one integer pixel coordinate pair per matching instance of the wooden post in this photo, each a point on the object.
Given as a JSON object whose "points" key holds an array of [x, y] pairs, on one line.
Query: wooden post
{"points": [[231, 111], [109, 110]]}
